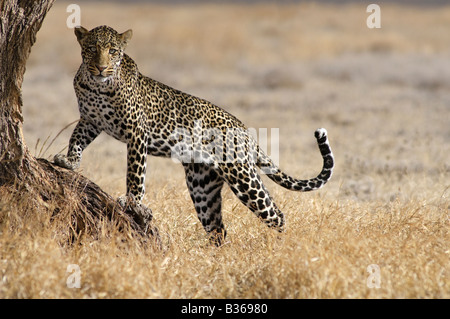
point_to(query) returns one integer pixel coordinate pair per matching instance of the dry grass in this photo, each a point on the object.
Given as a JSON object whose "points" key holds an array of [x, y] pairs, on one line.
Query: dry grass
{"points": [[324, 254], [382, 95]]}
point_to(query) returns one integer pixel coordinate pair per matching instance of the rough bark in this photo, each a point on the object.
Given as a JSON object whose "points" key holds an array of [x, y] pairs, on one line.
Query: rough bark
{"points": [[47, 185]]}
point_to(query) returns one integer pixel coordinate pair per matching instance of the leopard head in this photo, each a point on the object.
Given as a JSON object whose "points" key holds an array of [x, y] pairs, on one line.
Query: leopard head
{"points": [[102, 50]]}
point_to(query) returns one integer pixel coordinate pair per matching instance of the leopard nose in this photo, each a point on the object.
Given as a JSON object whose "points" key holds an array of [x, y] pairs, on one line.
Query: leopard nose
{"points": [[100, 67]]}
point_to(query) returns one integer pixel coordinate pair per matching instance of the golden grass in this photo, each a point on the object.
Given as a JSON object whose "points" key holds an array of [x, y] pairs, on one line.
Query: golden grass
{"points": [[382, 95], [324, 253]]}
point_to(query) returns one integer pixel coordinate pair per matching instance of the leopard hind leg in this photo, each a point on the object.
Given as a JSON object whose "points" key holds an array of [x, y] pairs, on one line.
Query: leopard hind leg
{"points": [[205, 184], [247, 185]]}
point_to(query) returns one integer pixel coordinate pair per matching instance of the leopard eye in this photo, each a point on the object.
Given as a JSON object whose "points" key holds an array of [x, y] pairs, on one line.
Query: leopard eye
{"points": [[112, 51], [93, 49]]}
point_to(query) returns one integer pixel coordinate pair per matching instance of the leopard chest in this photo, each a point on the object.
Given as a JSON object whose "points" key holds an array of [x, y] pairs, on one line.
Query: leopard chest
{"points": [[105, 110]]}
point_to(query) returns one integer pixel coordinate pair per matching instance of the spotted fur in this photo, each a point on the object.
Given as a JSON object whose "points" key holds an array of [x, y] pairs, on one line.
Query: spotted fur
{"points": [[114, 97]]}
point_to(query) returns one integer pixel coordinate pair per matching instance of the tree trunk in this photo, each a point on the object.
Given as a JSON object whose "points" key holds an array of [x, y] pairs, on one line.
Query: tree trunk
{"points": [[49, 187]]}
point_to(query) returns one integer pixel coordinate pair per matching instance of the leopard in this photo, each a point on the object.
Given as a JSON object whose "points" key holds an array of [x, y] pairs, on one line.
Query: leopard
{"points": [[154, 119]]}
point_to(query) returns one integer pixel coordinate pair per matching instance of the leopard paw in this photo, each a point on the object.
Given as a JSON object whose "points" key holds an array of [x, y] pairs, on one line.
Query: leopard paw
{"points": [[62, 161]]}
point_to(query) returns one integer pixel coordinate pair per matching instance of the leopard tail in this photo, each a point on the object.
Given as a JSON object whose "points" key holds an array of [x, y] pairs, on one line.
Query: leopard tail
{"points": [[274, 173]]}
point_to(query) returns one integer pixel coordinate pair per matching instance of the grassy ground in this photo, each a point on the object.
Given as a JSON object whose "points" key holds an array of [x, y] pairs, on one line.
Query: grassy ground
{"points": [[383, 96]]}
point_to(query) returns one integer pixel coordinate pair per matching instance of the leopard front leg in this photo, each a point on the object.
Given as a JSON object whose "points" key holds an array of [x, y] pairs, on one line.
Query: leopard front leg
{"points": [[83, 134], [136, 169]]}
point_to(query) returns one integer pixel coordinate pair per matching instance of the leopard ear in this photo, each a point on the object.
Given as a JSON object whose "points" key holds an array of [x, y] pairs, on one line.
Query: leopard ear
{"points": [[126, 36], [80, 32]]}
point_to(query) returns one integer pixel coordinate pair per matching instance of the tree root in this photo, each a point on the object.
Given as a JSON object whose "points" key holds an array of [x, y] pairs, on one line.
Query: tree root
{"points": [[80, 204]]}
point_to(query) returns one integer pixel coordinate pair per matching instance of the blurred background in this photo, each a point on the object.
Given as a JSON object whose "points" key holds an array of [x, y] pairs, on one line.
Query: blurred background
{"points": [[382, 94]]}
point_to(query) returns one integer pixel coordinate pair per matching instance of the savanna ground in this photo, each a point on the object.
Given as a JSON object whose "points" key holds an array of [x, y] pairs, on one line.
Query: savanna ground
{"points": [[383, 95]]}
